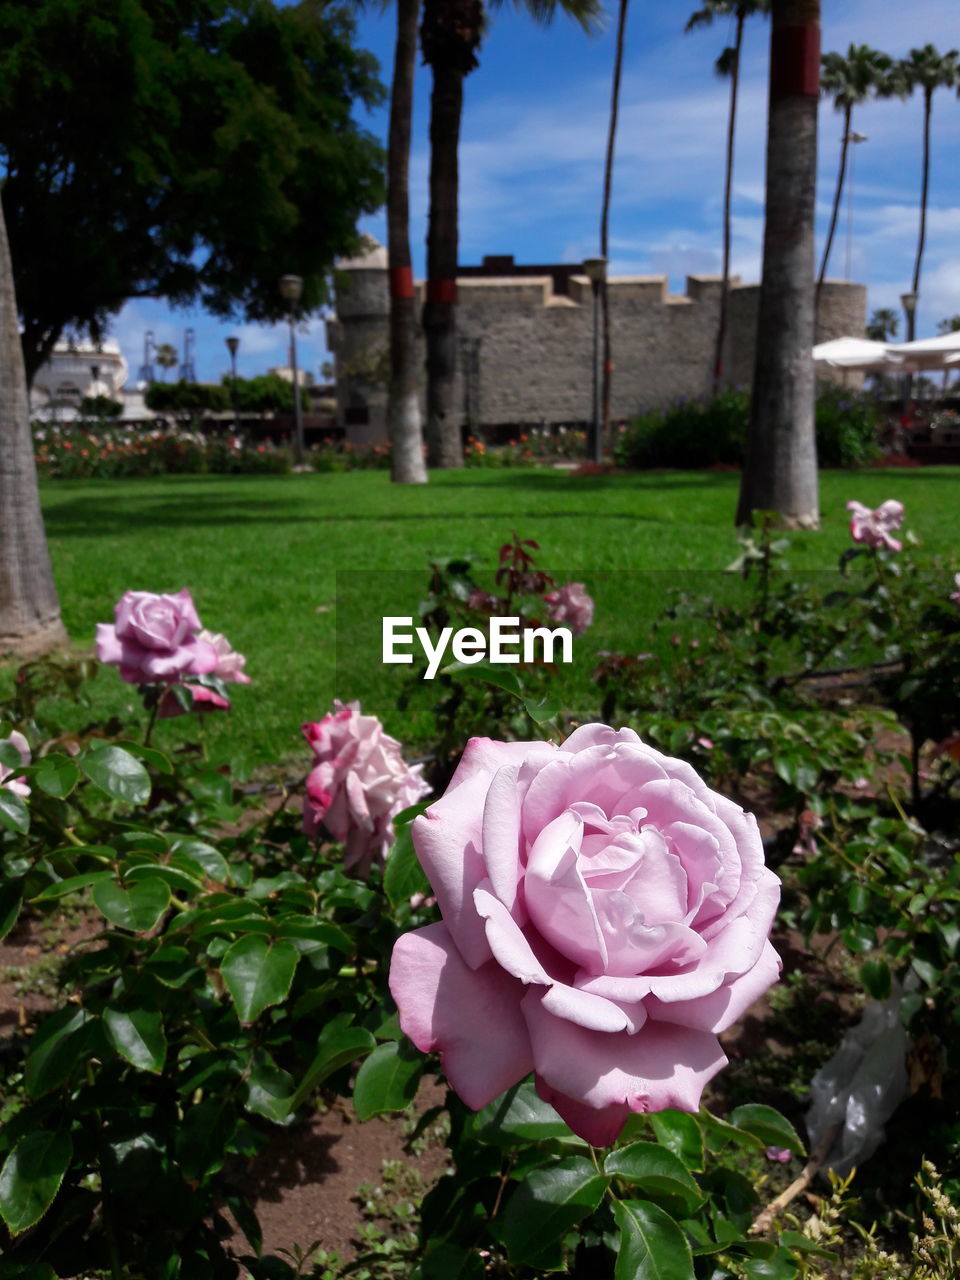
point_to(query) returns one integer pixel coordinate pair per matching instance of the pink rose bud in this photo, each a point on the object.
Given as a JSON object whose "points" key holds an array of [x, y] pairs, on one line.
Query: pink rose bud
{"points": [[873, 528], [17, 785], [229, 663], [604, 917], [358, 785], [570, 606], [780, 1154]]}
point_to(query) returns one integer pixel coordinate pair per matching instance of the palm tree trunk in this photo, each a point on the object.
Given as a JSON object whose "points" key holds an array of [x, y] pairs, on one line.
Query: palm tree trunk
{"points": [[605, 219], [29, 609], [444, 445], [837, 195], [927, 108], [780, 470], [727, 204], [403, 402]]}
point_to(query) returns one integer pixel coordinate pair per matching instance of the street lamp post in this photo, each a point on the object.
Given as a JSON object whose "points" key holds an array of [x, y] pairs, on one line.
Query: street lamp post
{"points": [[596, 270], [291, 289], [232, 345]]}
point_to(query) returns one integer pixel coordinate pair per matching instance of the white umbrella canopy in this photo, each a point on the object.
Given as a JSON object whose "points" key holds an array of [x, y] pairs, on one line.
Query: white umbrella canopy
{"points": [[855, 354], [941, 352]]}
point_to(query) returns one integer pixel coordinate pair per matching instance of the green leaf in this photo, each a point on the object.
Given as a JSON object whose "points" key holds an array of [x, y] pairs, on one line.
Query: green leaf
{"points": [[56, 775], [118, 773], [541, 710], [518, 1116], [501, 677], [310, 929], [70, 885], [717, 1133], [387, 1080], [338, 1045], [679, 1132], [258, 973], [14, 814], [31, 1177], [139, 908], [545, 1206], [780, 1267], [57, 1049], [151, 755], [652, 1246], [875, 976], [10, 757], [137, 1035], [403, 875], [11, 900], [773, 1129], [205, 856], [269, 1089], [656, 1172]]}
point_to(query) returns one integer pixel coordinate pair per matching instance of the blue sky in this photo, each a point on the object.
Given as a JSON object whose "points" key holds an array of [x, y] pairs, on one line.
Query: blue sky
{"points": [[533, 139]]}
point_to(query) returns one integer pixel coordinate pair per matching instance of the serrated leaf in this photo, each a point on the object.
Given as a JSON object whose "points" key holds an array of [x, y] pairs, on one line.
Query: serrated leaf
{"points": [[403, 876], [138, 1036], [151, 755], [118, 773], [767, 1124], [679, 1132], [656, 1172], [545, 1206], [387, 1080], [56, 775], [56, 1050], [652, 1246], [14, 814], [518, 1116], [208, 859], [71, 885], [338, 1045], [138, 908], [31, 1177], [258, 973]]}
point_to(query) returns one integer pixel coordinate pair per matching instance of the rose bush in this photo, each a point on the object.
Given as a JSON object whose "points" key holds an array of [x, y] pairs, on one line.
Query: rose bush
{"points": [[605, 915], [153, 638], [571, 606], [358, 785], [873, 528]]}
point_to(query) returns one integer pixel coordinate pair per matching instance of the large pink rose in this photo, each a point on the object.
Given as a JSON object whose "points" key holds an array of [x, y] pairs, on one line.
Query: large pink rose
{"points": [[571, 606], [358, 785], [153, 638], [17, 785], [873, 528], [605, 915]]}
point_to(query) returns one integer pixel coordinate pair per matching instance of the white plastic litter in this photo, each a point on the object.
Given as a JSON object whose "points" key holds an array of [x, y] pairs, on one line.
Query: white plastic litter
{"points": [[861, 1086]]}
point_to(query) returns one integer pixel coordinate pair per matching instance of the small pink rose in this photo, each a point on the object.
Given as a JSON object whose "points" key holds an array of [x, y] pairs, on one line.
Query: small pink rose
{"points": [[570, 606], [17, 785], [359, 783], [873, 528], [779, 1154], [230, 664], [604, 916]]}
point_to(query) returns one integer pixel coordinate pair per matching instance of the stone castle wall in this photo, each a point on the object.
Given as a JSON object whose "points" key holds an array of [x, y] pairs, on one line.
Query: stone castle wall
{"points": [[526, 350]]}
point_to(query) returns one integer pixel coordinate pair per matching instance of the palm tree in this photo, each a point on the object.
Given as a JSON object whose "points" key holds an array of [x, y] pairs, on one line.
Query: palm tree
{"points": [[780, 469], [450, 37], [29, 608], [883, 324], [851, 80], [605, 217], [728, 64], [928, 70], [403, 398], [166, 357]]}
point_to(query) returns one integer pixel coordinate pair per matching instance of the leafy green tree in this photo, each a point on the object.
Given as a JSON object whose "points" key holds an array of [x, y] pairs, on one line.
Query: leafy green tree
{"points": [[166, 357], [728, 64], [883, 324], [950, 324], [192, 150], [927, 70], [851, 80], [450, 37], [780, 469]]}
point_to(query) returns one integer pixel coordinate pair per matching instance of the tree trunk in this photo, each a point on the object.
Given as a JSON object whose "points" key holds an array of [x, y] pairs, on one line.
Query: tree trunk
{"points": [[912, 312], [403, 401], [29, 609], [605, 221], [780, 470], [837, 195], [444, 444], [727, 204]]}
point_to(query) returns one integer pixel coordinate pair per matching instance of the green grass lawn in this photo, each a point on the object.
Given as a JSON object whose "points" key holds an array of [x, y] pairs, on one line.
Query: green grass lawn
{"points": [[261, 557]]}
